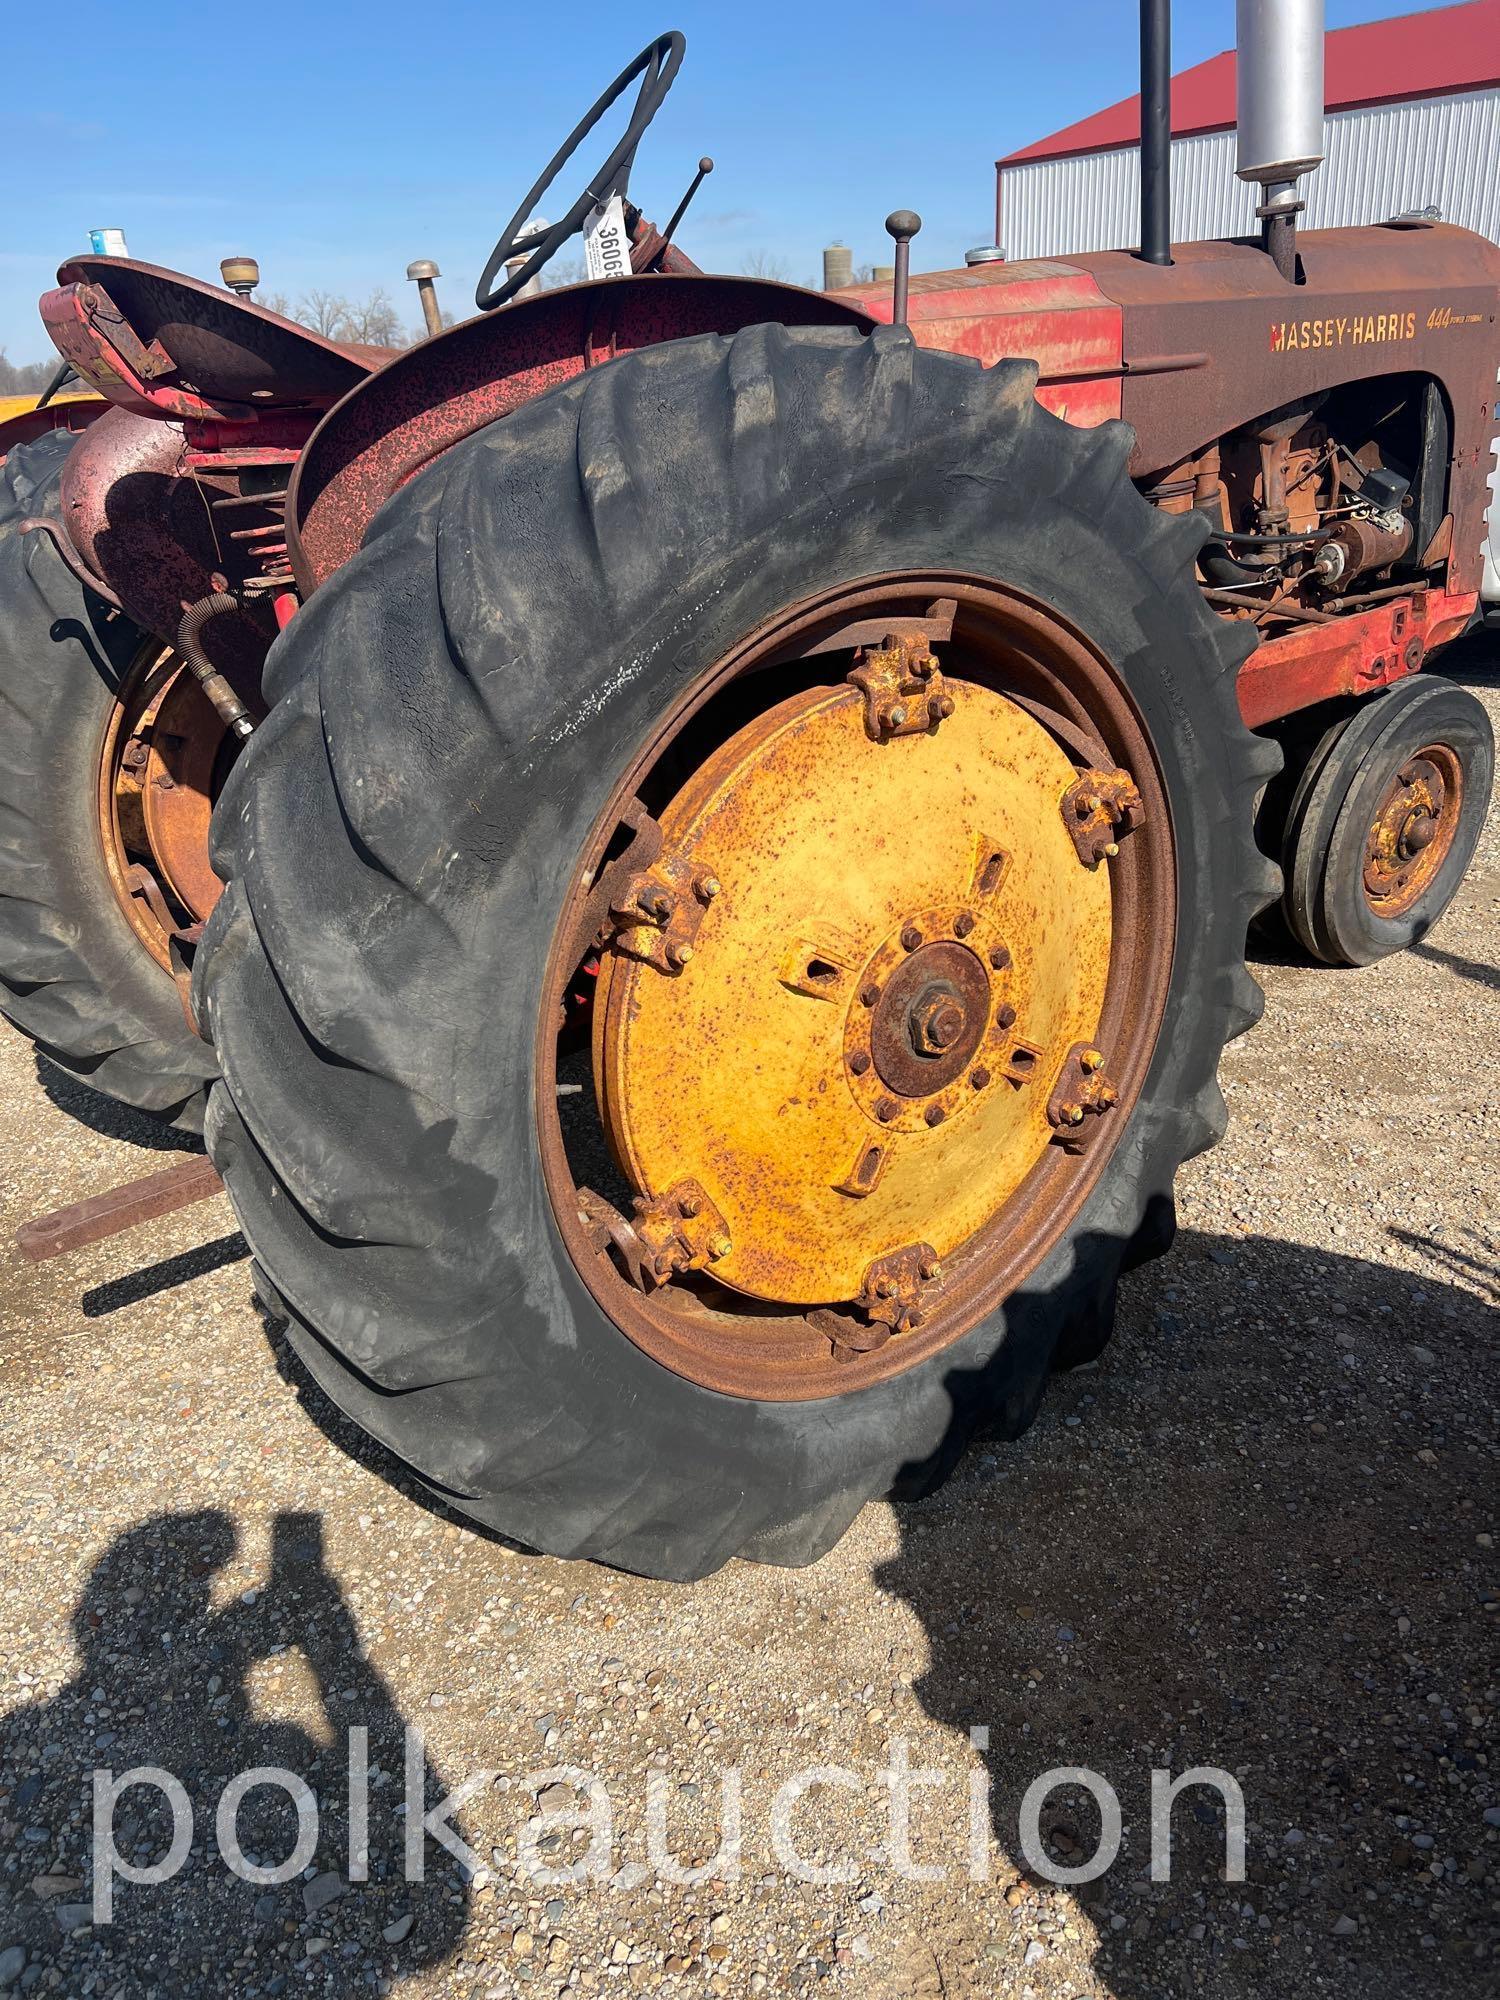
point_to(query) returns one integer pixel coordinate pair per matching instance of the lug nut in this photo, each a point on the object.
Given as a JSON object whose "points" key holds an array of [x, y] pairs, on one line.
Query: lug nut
{"points": [[934, 1114], [911, 937], [897, 717], [963, 923], [689, 1206], [708, 887], [720, 1247], [885, 1110], [885, 1288], [679, 954], [1091, 1059], [931, 1268], [1111, 848], [859, 1062], [979, 1078], [868, 995], [1005, 1016], [940, 707], [1000, 958]]}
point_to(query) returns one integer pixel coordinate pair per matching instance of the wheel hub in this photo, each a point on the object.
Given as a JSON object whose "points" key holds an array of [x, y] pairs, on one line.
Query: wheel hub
{"points": [[165, 753], [930, 1017], [1412, 830], [902, 947]]}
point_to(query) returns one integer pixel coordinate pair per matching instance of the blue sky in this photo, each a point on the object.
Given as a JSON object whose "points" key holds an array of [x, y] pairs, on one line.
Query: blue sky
{"points": [[335, 144]]}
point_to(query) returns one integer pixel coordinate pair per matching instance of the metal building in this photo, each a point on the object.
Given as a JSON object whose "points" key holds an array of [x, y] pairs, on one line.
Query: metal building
{"points": [[1413, 120]]}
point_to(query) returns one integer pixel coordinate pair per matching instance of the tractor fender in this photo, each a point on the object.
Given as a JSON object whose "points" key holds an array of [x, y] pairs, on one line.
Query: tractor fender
{"points": [[399, 420], [136, 514]]}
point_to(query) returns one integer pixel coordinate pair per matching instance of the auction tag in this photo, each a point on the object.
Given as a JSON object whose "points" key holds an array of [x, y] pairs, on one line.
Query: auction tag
{"points": [[606, 243]]}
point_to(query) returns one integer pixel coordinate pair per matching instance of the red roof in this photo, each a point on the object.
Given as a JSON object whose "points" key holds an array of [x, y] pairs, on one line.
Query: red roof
{"points": [[1414, 55]]}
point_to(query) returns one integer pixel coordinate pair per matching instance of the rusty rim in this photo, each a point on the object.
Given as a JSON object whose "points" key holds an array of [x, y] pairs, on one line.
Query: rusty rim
{"points": [[163, 758], [1412, 832], [649, 1255]]}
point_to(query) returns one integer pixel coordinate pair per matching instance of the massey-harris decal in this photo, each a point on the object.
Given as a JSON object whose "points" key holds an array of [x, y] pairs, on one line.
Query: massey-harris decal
{"points": [[1357, 330]]}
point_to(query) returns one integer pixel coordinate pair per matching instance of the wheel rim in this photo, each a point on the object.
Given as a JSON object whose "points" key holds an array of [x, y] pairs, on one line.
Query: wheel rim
{"points": [[878, 1000], [1413, 830], [163, 759]]}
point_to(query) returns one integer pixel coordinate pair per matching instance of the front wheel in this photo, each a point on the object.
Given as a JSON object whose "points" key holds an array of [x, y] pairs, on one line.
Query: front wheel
{"points": [[1385, 809], [732, 922]]}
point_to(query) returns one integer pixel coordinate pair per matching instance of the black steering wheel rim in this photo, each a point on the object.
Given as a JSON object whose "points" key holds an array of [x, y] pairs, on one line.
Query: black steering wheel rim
{"points": [[657, 66]]}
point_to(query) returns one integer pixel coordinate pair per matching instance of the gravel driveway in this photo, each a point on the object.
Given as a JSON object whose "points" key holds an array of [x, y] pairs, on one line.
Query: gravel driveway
{"points": [[1257, 1537]]}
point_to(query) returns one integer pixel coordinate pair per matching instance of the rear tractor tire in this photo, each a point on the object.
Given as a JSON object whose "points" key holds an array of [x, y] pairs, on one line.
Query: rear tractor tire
{"points": [[731, 924], [1377, 815], [84, 965]]}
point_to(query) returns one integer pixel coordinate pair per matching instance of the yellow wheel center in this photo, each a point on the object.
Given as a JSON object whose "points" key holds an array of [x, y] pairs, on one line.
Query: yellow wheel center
{"points": [[895, 951]]}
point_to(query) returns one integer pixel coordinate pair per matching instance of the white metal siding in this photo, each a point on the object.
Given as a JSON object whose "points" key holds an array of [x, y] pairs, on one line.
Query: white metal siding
{"points": [[1381, 159]]}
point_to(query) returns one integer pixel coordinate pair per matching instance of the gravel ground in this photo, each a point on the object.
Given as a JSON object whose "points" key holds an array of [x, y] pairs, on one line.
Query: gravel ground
{"points": [[1257, 1536]]}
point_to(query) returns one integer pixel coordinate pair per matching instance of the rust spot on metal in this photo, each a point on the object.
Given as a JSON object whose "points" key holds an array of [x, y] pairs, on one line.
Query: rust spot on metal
{"points": [[902, 686], [658, 913], [1081, 1093], [102, 1215], [891, 1294], [665, 1236], [863, 1177], [1412, 831], [1021, 1059], [1099, 808]]}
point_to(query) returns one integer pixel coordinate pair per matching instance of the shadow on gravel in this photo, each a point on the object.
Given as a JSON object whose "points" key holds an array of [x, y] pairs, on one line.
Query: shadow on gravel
{"points": [[1466, 968], [134, 1286], [172, 1677], [106, 1115], [1256, 1537]]}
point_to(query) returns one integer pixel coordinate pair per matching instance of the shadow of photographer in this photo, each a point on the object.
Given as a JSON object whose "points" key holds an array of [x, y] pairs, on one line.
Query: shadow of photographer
{"points": [[198, 1692]]}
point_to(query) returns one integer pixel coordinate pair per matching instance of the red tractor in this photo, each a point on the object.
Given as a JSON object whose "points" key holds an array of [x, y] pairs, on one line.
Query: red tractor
{"points": [[696, 844]]}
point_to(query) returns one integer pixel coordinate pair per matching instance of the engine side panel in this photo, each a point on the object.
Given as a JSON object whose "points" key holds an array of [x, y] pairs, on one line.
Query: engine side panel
{"points": [[1388, 300]]}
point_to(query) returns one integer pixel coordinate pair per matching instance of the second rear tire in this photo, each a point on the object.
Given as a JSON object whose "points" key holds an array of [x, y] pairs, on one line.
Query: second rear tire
{"points": [[74, 974]]}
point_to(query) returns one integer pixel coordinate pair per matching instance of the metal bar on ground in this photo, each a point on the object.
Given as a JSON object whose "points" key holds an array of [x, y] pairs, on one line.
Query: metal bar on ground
{"points": [[84, 1222]]}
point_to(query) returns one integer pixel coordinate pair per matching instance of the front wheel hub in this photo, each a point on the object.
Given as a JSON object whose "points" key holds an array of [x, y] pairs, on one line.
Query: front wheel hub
{"points": [[1412, 831]]}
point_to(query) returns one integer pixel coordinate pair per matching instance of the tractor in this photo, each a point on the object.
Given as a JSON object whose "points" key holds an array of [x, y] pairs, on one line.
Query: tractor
{"points": [[689, 843]]}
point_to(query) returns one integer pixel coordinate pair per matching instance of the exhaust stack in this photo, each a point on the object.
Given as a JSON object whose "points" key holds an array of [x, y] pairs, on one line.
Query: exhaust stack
{"points": [[1279, 75], [1156, 131]]}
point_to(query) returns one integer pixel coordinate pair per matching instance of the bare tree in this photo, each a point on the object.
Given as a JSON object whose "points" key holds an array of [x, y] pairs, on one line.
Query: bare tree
{"points": [[324, 312], [570, 271], [766, 264], [27, 378], [372, 322]]}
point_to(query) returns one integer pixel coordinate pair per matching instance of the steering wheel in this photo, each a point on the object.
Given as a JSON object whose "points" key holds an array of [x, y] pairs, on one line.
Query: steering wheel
{"points": [[657, 66]]}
